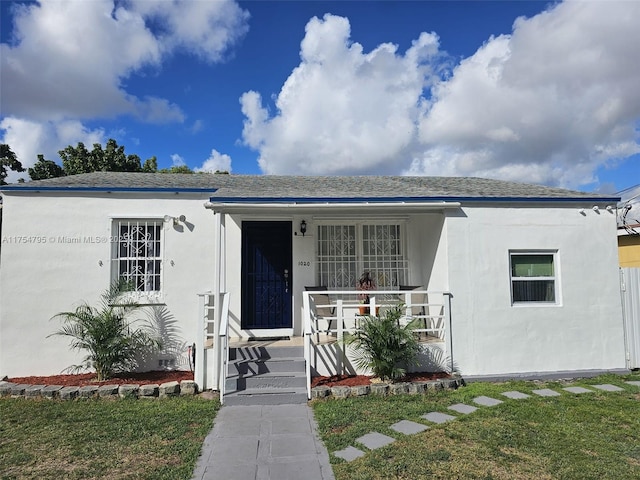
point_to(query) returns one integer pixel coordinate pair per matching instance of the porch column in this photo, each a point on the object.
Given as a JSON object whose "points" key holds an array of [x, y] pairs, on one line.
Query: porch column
{"points": [[218, 270]]}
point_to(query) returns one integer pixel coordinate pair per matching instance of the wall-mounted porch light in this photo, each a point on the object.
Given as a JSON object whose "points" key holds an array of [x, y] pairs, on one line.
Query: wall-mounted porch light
{"points": [[176, 220], [303, 227]]}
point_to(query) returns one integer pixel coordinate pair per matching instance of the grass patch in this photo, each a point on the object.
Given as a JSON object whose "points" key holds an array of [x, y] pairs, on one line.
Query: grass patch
{"points": [[588, 436], [159, 439]]}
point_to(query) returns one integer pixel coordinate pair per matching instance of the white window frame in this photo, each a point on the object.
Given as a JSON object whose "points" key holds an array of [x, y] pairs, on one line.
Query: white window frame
{"points": [[156, 256], [555, 278], [359, 256]]}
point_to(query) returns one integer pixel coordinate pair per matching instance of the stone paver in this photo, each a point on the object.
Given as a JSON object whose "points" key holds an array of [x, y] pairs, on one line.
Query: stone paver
{"points": [[463, 408], [487, 401], [577, 390], [437, 417], [373, 440], [349, 454], [546, 392], [633, 382], [607, 387], [515, 395], [408, 427]]}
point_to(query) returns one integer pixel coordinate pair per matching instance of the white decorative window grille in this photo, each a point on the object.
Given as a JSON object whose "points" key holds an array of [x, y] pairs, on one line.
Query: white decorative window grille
{"points": [[345, 251], [137, 253], [533, 277]]}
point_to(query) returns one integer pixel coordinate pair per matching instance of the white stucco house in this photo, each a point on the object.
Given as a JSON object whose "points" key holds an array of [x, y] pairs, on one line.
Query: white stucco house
{"points": [[511, 279]]}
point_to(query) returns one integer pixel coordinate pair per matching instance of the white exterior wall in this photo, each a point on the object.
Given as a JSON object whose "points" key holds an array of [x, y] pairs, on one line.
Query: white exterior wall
{"points": [[492, 337], [41, 279], [425, 243], [466, 253]]}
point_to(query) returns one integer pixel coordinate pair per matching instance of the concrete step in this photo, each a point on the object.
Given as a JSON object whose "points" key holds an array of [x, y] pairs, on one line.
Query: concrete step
{"points": [[262, 396], [257, 367], [264, 352], [266, 380], [266, 375]]}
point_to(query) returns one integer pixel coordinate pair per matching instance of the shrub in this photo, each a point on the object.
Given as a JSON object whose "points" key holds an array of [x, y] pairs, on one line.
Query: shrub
{"points": [[111, 340], [384, 346]]}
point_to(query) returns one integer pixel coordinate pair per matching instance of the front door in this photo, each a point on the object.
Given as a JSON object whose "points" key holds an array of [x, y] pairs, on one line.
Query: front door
{"points": [[266, 275]]}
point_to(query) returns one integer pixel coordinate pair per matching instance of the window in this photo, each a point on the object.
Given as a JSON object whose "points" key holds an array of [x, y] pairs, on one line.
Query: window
{"points": [[345, 251], [533, 277], [137, 253]]}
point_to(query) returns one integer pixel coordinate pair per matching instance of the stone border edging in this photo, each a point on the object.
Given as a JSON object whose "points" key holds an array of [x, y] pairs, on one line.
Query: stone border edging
{"points": [[168, 389], [383, 389]]}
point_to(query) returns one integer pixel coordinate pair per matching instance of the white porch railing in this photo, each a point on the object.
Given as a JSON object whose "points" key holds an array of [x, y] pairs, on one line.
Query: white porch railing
{"points": [[336, 312], [212, 344], [224, 346]]}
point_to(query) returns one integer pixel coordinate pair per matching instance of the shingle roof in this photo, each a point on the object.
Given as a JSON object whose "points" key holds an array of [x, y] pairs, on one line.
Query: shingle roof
{"points": [[237, 187]]}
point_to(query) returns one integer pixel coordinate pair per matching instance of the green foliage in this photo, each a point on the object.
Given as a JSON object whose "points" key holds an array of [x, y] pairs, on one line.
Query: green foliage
{"points": [[150, 165], [176, 169], [384, 346], [111, 341], [8, 160], [76, 160], [45, 169]]}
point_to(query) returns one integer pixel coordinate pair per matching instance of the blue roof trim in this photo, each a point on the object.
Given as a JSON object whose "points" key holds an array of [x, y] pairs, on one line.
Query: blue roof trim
{"points": [[307, 200], [108, 189]]}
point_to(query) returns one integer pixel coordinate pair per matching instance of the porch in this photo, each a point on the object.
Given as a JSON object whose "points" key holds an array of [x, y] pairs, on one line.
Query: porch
{"points": [[282, 365]]}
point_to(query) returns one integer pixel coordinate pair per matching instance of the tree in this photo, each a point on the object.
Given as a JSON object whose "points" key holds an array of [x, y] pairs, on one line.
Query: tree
{"points": [[76, 159], [176, 169], [8, 160], [45, 169], [112, 158], [111, 340], [150, 165]]}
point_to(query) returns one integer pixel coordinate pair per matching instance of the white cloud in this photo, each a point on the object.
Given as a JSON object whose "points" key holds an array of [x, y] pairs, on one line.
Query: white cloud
{"points": [[216, 162], [549, 103], [71, 56], [28, 139], [69, 59], [177, 161], [342, 110], [204, 28]]}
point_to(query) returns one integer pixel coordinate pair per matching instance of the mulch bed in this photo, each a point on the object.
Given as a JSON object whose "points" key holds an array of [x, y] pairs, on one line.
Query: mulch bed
{"points": [[357, 380], [145, 378], [83, 379]]}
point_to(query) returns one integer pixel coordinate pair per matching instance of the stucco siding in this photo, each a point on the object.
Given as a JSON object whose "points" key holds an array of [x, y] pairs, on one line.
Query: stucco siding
{"points": [[66, 260], [491, 336]]}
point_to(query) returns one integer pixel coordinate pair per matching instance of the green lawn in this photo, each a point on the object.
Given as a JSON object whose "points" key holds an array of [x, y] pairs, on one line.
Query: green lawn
{"points": [[103, 439], [588, 436]]}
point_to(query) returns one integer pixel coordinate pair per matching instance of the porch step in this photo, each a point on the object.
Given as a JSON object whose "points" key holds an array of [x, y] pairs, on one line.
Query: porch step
{"points": [[259, 367], [264, 352], [266, 380], [261, 396], [265, 375]]}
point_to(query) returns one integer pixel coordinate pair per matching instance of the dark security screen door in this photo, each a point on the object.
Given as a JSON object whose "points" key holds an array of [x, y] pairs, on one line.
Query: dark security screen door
{"points": [[266, 275]]}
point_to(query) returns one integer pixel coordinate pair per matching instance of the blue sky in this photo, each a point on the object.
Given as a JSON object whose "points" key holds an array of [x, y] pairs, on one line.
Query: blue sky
{"points": [[527, 91]]}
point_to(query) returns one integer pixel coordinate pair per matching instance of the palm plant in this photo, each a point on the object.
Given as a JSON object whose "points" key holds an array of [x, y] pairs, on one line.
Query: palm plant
{"points": [[384, 346], [111, 340]]}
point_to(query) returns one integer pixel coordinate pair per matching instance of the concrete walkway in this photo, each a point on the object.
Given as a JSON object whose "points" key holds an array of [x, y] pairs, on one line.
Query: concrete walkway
{"points": [[264, 442]]}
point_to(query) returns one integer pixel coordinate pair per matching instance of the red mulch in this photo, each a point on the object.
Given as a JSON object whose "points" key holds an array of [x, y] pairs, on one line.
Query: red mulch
{"points": [[80, 380], [357, 380]]}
